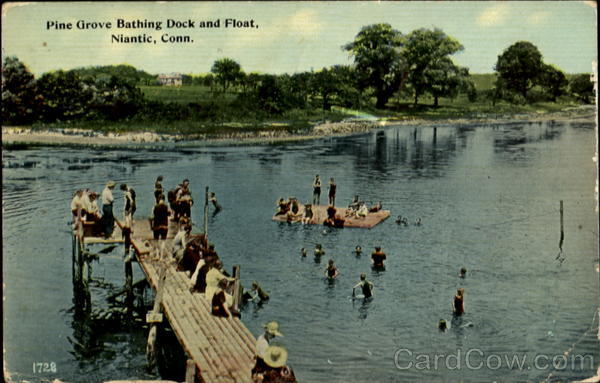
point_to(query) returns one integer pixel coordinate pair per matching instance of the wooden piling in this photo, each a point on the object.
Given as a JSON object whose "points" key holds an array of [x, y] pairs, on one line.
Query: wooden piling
{"points": [[190, 371], [155, 318], [237, 288], [562, 230], [206, 213]]}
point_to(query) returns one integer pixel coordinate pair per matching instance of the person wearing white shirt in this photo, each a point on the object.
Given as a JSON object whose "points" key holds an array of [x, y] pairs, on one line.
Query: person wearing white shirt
{"points": [[107, 209]]}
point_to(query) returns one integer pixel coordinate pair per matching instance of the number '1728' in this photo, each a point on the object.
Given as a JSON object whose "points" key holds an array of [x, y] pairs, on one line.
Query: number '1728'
{"points": [[41, 367]]}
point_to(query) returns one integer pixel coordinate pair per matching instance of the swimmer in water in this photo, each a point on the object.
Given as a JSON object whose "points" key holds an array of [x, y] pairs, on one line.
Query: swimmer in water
{"points": [[319, 250], [378, 257], [463, 273], [443, 326], [303, 252], [459, 302], [331, 271], [418, 222], [364, 285], [358, 251]]}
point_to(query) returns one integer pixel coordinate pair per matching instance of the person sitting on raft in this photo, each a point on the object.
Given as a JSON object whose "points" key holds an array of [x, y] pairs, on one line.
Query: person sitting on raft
{"points": [[353, 206], [376, 208], [365, 286], [331, 271], [293, 213], [377, 257], [282, 207], [458, 304], [308, 213], [362, 211]]}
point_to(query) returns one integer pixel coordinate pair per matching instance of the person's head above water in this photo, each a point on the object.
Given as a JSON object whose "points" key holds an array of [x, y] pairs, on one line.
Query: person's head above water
{"points": [[331, 263], [463, 272], [363, 276], [358, 248], [442, 325], [377, 248]]}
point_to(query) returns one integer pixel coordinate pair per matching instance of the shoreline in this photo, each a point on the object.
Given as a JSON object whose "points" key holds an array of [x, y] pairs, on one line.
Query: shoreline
{"points": [[26, 136]]}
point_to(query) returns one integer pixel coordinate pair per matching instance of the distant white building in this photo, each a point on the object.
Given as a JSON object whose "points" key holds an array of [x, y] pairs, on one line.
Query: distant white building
{"points": [[171, 79]]}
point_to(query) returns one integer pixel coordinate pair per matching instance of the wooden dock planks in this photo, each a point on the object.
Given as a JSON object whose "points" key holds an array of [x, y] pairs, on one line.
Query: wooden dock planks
{"points": [[222, 348], [320, 213]]}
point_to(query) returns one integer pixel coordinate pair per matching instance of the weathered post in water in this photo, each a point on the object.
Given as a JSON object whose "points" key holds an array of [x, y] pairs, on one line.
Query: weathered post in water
{"points": [[237, 288], [206, 214], [562, 230], [154, 318]]}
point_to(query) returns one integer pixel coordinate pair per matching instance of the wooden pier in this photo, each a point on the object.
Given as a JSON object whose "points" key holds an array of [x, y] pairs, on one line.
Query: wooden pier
{"points": [[320, 214], [219, 350]]}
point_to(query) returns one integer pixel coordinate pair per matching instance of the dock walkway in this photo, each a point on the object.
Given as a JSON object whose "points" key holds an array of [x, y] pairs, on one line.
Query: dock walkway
{"points": [[222, 350]]}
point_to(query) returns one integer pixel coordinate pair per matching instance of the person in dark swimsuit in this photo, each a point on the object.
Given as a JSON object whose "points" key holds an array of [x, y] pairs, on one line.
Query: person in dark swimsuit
{"points": [[317, 190], [158, 188], [358, 251], [332, 190], [365, 286], [459, 302], [331, 271], [378, 257], [219, 301]]}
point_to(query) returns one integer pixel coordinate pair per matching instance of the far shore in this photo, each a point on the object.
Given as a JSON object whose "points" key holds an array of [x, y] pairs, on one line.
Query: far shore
{"points": [[26, 136]]}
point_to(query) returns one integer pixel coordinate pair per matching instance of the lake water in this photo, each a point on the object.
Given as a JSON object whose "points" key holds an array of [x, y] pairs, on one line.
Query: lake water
{"points": [[488, 197]]}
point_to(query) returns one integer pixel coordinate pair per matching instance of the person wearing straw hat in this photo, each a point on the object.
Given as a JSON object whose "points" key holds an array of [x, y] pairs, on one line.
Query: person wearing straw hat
{"points": [[262, 342], [107, 209], [274, 369]]}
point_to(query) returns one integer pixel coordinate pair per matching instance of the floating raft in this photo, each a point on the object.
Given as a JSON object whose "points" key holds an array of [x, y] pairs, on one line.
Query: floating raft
{"points": [[320, 213]]}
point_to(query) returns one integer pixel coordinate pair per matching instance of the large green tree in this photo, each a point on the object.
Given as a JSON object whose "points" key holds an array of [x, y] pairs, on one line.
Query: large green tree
{"points": [[553, 80], [582, 87], [18, 92], [427, 54], [378, 60], [227, 72], [519, 67], [445, 79]]}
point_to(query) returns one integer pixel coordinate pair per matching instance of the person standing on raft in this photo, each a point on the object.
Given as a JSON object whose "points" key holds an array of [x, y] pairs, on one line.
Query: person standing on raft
{"points": [[317, 190], [332, 190]]}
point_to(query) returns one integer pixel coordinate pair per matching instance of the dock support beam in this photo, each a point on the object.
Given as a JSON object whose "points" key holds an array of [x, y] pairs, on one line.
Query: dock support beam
{"points": [[190, 371], [155, 318], [237, 288]]}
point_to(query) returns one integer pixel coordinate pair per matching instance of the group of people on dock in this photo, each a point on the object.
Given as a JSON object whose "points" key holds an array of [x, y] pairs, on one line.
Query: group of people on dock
{"points": [[271, 360], [84, 207]]}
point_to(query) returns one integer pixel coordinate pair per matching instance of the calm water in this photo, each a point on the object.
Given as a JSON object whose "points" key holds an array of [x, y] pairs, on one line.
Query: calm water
{"points": [[488, 198]]}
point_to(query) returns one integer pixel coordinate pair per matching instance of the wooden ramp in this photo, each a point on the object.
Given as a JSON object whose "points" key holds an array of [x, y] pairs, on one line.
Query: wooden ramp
{"points": [[222, 350], [320, 213]]}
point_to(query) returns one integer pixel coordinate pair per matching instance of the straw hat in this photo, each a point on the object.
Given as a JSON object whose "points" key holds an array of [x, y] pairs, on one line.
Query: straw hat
{"points": [[273, 328], [111, 184], [275, 356]]}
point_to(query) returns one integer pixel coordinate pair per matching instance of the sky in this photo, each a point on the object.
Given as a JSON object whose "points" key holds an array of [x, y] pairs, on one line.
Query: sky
{"points": [[292, 36]]}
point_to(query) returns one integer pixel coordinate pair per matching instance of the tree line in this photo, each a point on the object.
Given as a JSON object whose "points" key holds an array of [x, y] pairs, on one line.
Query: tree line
{"points": [[387, 63]]}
